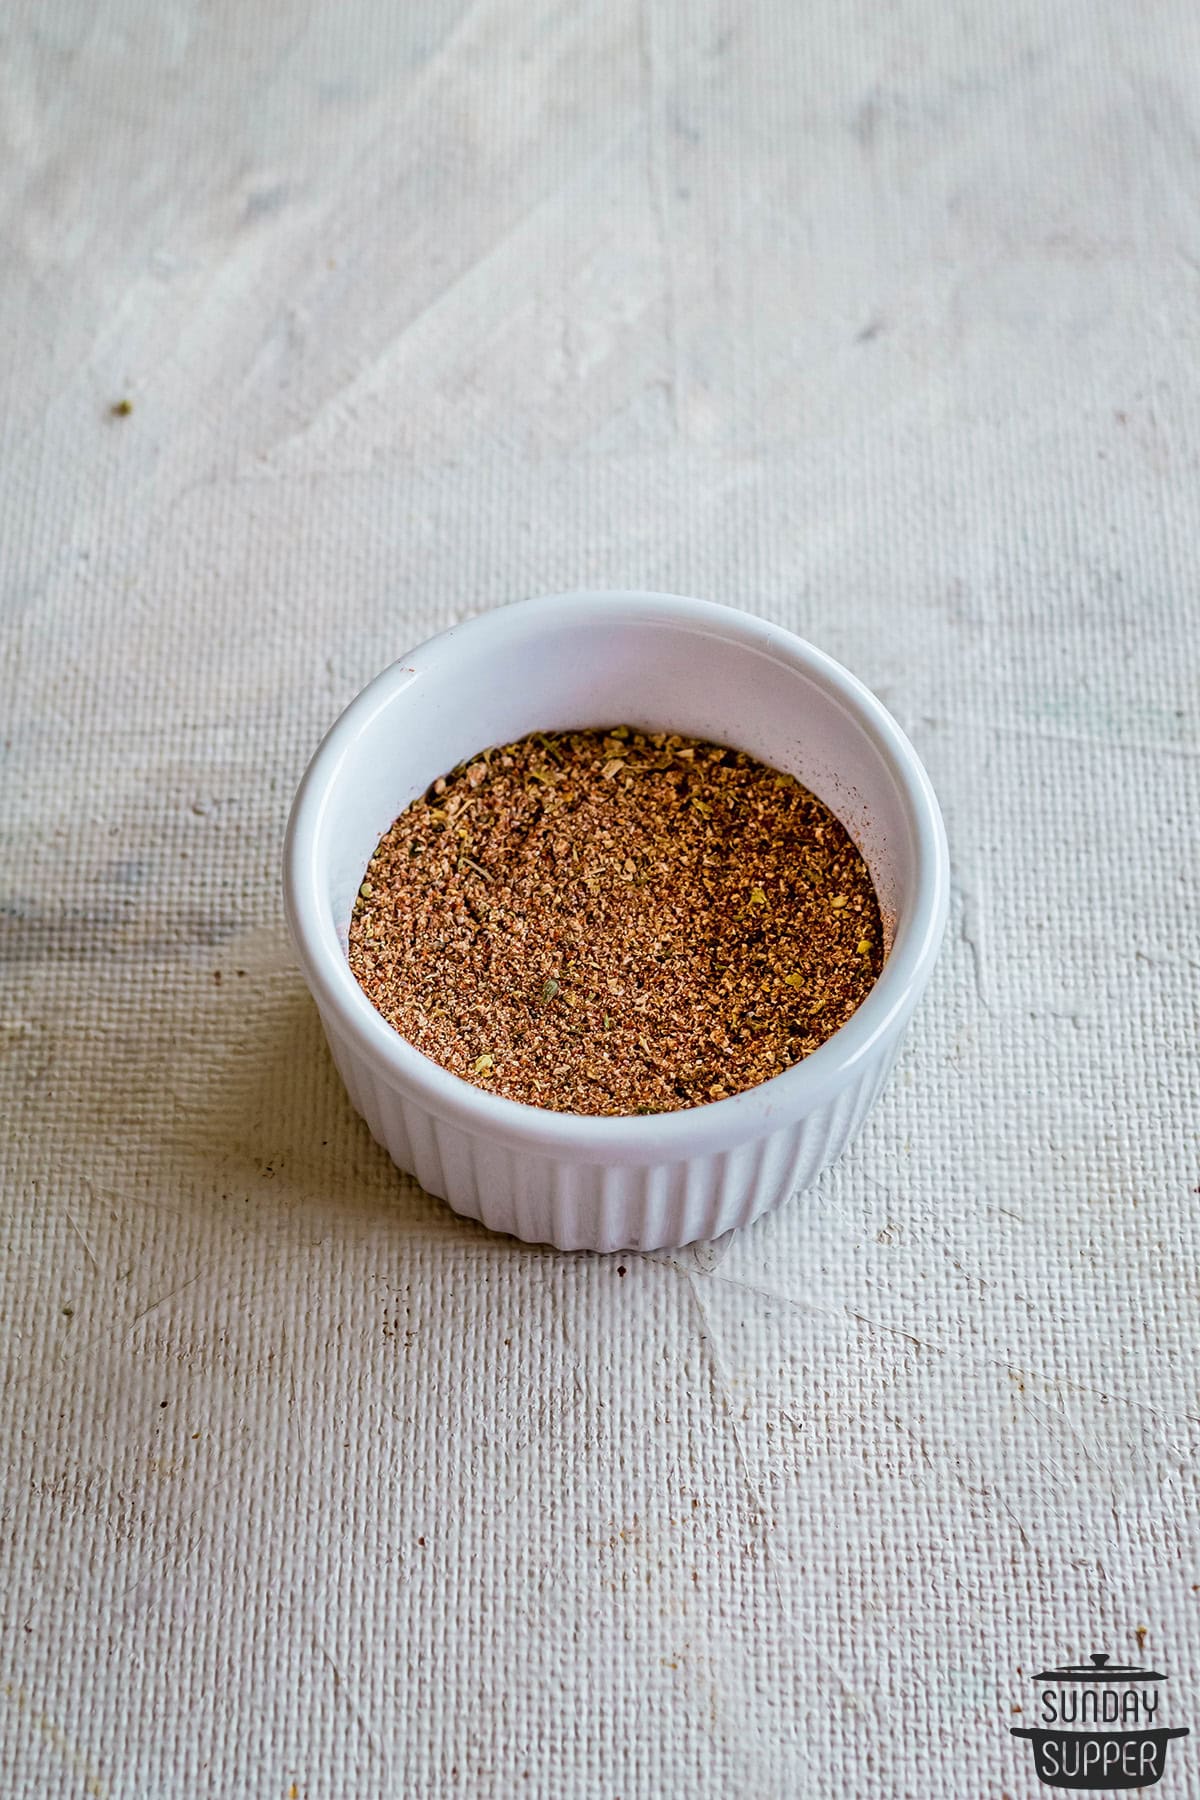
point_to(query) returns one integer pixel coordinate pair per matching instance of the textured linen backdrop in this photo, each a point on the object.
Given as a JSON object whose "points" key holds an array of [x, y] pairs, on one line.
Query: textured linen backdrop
{"points": [[880, 321]]}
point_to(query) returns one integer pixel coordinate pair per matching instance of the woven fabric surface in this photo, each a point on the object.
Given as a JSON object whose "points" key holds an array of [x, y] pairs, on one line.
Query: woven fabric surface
{"points": [[878, 321]]}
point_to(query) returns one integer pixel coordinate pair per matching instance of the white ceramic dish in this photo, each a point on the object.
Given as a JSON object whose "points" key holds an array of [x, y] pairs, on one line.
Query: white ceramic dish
{"points": [[657, 662]]}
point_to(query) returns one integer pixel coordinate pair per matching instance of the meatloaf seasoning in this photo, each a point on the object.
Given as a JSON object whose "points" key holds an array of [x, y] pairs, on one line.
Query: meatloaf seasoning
{"points": [[615, 922]]}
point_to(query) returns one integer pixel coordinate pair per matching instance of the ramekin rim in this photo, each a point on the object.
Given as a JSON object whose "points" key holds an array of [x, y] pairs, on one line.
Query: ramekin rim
{"points": [[719, 1124]]}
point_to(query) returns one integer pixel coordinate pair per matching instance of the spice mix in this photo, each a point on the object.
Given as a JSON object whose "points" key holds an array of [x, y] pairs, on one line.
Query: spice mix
{"points": [[616, 922]]}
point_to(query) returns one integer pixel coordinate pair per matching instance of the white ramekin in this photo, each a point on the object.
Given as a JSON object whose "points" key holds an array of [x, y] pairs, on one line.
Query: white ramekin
{"points": [[657, 662]]}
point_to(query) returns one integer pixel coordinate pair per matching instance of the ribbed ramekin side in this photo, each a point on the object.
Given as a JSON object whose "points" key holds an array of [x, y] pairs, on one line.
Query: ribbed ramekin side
{"points": [[353, 1069], [604, 1207], [510, 1190], [824, 1134], [406, 1131]]}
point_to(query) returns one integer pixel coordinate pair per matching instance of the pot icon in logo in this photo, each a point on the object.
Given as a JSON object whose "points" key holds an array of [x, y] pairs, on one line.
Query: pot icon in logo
{"points": [[1099, 1726]]}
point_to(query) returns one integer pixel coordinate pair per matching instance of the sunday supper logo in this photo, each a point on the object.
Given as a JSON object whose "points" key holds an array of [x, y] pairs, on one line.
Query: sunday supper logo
{"points": [[1100, 1726]]}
